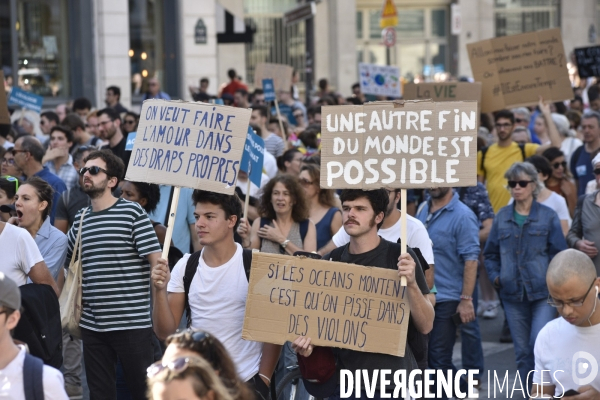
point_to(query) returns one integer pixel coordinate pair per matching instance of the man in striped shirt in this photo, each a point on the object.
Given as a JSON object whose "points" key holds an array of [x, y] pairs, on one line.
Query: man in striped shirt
{"points": [[119, 247]]}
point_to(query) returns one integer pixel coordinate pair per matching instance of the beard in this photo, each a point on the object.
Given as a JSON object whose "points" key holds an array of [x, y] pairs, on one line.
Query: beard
{"points": [[95, 191], [438, 193]]}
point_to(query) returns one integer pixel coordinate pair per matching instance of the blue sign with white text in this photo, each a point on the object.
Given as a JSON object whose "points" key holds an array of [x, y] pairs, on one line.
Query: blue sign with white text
{"points": [[253, 157], [26, 100], [268, 89], [130, 141]]}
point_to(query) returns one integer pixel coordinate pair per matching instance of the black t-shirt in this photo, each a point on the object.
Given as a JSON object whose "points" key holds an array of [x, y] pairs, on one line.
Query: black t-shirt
{"points": [[119, 151], [353, 360]]}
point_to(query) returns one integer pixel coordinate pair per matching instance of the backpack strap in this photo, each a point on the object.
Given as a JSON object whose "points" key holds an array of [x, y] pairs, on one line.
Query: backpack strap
{"points": [[33, 378], [190, 270], [303, 229], [247, 257], [575, 156], [522, 148]]}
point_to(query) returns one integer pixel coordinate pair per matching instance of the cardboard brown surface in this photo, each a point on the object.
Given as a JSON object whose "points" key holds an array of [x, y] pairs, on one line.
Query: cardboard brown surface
{"points": [[195, 145], [4, 115], [335, 304], [515, 70], [443, 91], [362, 148], [280, 73]]}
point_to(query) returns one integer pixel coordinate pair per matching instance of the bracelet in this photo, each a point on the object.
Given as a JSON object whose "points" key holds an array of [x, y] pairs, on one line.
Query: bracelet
{"points": [[264, 376], [465, 297]]}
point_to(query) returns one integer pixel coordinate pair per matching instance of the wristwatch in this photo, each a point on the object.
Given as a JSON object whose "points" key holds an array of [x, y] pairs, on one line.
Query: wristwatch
{"points": [[285, 243]]}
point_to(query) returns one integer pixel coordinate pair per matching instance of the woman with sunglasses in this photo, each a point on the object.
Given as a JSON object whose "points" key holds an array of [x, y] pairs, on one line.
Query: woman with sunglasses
{"points": [[9, 167], [524, 238], [194, 343], [190, 378], [322, 205], [8, 188], [559, 180]]}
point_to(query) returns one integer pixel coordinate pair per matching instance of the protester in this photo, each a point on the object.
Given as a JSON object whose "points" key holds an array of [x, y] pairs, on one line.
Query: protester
{"points": [[61, 110], [279, 129], [581, 158], [569, 142], [258, 98], [525, 236], [28, 154], [109, 127], [521, 135], [202, 89], [92, 124], [48, 120], [290, 162], [559, 181], [154, 91], [273, 143], [573, 285], [522, 116], [74, 199], [8, 188], [81, 137], [113, 99], [130, 122], [146, 195], [540, 128], [323, 210], [120, 231], [234, 84], [57, 158], [9, 166], [240, 98], [19, 369], [82, 107]]}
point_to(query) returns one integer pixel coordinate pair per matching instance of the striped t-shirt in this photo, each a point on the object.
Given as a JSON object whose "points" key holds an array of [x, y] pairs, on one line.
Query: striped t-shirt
{"points": [[116, 274]]}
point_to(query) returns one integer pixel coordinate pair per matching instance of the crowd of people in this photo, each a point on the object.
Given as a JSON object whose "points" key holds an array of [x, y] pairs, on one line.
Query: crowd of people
{"points": [[472, 251]]}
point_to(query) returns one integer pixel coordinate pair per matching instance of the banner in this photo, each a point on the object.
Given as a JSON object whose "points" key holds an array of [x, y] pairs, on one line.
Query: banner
{"points": [[279, 73], [25, 99], [516, 70], [268, 89], [588, 61], [195, 145], [253, 157], [379, 80], [403, 144], [443, 91], [335, 304]]}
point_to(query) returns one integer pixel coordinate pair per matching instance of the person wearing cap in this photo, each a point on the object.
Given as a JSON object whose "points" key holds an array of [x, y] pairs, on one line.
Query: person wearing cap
{"points": [[14, 358], [584, 234]]}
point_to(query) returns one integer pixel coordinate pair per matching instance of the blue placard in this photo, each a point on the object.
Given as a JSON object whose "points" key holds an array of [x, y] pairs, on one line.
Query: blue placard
{"points": [[217, 101], [25, 99], [253, 157], [130, 141], [268, 89]]}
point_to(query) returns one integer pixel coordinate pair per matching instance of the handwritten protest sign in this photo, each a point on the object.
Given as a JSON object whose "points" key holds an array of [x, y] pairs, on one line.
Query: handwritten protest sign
{"points": [[281, 75], [443, 91], [185, 144], [268, 89], [379, 80], [516, 70], [253, 157], [25, 99], [4, 116], [335, 304], [405, 144], [588, 61]]}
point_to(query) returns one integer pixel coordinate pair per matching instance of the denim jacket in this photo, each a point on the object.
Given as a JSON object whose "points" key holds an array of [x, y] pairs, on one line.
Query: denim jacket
{"points": [[520, 256]]}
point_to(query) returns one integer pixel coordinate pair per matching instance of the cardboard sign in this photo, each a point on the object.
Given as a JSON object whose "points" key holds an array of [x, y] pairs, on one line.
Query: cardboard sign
{"points": [[268, 89], [195, 145], [279, 73], [379, 80], [130, 141], [588, 61], [403, 144], [516, 70], [25, 99], [253, 157], [335, 304], [4, 115], [443, 91]]}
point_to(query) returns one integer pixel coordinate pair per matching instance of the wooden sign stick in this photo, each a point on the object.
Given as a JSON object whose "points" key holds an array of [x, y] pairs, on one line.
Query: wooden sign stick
{"points": [[171, 224], [403, 233], [279, 117], [247, 200]]}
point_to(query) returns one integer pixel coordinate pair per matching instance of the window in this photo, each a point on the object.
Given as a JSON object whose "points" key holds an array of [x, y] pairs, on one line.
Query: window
{"points": [[359, 24], [520, 16], [411, 23], [438, 23]]}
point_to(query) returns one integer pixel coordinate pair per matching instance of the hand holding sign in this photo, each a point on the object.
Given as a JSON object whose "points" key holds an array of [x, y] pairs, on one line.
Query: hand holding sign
{"points": [[160, 274], [302, 346], [406, 268]]}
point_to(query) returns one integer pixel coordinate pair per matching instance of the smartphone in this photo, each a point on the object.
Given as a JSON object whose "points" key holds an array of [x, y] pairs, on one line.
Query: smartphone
{"points": [[457, 320], [570, 393]]}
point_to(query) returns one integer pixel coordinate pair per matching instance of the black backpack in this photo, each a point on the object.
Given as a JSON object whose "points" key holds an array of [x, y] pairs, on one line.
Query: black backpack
{"points": [[190, 270], [33, 378], [39, 325]]}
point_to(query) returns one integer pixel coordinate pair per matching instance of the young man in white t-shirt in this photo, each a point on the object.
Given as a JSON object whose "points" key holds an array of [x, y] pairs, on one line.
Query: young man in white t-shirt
{"points": [[567, 349], [218, 290], [12, 357], [21, 257]]}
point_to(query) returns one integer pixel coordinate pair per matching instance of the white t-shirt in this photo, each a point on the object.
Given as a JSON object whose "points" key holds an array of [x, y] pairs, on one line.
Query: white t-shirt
{"points": [[417, 236], [218, 302], [255, 191], [568, 147], [556, 346], [558, 203], [11, 381], [270, 165], [19, 253]]}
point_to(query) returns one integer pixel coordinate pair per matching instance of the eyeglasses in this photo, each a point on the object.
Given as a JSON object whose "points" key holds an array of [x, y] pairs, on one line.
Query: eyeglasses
{"points": [[559, 164], [519, 120], [576, 303], [597, 171], [500, 126], [513, 184], [305, 182], [12, 179], [178, 366], [129, 121], [9, 161], [92, 170], [15, 152]]}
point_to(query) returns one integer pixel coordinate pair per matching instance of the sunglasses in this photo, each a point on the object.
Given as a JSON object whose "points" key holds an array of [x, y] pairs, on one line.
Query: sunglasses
{"points": [[513, 184], [559, 164], [128, 121], [178, 366], [9, 161], [92, 170], [12, 179]]}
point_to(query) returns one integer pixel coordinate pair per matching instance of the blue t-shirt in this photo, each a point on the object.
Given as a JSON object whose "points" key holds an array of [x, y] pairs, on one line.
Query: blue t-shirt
{"points": [[184, 217], [57, 184], [582, 169]]}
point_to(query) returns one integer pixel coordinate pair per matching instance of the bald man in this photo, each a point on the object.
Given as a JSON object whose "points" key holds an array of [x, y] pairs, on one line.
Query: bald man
{"points": [[567, 349]]}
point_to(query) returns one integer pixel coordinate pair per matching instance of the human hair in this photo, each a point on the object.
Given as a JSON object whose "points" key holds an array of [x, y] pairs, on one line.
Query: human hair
{"points": [[116, 91], [82, 104], [326, 197], [231, 73], [522, 111], [150, 192], [287, 156], [574, 116], [313, 110], [592, 114], [33, 146], [132, 114], [203, 80], [257, 91], [114, 165], [112, 114], [212, 350], [78, 155], [568, 264], [230, 204], [44, 192], [73, 122], [356, 85], [504, 114], [552, 153], [562, 124], [486, 121], [525, 168], [9, 187], [523, 129], [560, 107], [323, 83], [541, 164], [378, 198], [256, 129], [593, 93], [51, 116], [310, 136], [242, 91], [202, 376], [262, 110], [65, 130], [300, 209]]}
